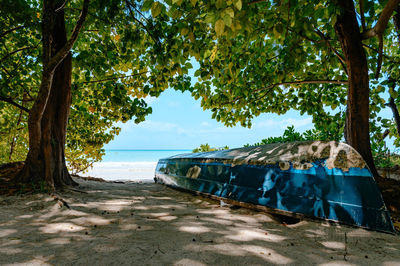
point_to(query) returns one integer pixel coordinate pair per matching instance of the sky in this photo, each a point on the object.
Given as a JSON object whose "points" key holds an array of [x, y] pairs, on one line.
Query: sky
{"points": [[179, 122]]}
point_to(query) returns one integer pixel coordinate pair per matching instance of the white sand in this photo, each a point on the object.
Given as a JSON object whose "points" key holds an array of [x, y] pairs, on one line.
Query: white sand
{"points": [[150, 224], [123, 171]]}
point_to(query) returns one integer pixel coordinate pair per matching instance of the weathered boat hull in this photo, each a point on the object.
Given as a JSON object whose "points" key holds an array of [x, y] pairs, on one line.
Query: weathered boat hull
{"points": [[344, 194]]}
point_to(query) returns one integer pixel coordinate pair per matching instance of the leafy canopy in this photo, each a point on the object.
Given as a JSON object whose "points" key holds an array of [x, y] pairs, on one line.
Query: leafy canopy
{"points": [[273, 56], [121, 56]]}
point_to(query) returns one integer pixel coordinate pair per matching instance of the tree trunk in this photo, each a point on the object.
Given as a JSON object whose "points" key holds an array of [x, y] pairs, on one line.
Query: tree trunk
{"points": [[391, 103], [396, 22], [357, 120], [46, 159], [395, 112]]}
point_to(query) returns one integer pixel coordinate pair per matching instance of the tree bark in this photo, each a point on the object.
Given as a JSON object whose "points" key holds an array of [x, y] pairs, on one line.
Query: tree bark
{"points": [[391, 103], [46, 157], [357, 120], [396, 22], [395, 112]]}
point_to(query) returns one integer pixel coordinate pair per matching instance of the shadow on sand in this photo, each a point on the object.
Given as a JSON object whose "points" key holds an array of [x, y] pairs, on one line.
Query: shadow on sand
{"points": [[150, 224]]}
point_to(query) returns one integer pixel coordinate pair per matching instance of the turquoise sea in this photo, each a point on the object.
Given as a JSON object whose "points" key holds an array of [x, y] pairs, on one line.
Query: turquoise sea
{"points": [[140, 155]]}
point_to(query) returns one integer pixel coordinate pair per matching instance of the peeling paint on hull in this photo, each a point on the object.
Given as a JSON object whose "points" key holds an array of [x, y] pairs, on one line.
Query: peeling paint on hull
{"points": [[348, 196]]}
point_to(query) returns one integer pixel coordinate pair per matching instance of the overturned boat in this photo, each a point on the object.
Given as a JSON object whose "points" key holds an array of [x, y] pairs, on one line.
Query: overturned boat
{"points": [[325, 180]]}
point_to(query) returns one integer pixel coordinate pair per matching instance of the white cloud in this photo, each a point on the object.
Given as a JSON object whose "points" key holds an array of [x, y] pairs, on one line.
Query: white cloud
{"points": [[161, 126], [204, 124]]}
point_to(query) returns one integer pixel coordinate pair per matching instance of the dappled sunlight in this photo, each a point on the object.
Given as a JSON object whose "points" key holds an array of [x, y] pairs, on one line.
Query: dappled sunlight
{"points": [[10, 251], [390, 263], [359, 233], [55, 228], [217, 221], [241, 234], [25, 216], [142, 208], [315, 232], [194, 229], [130, 226], [338, 263], [149, 224], [91, 220], [51, 212], [38, 260], [190, 262], [297, 225], [162, 216], [6, 232], [59, 241], [333, 244], [267, 254]]}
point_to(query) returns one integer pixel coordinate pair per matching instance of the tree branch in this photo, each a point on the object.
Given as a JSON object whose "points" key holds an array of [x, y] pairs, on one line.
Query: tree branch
{"points": [[396, 22], [256, 1], [336, 52], [376, 51], [10, 30], [129, 5], [10, 101], [61, 7], [362, 15], [5, 70], [299, 82], [380, 56], [114, 78], [16, 51], [380, 26]]}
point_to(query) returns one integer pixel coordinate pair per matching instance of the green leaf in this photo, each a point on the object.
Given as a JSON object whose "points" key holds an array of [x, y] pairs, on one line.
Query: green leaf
{"points": [[178, 2], [156, 9], [238, 4], [227, 20], [147, 5], [219, 27], [184, 31], [393, 93], [229, 11], [220, 4]]}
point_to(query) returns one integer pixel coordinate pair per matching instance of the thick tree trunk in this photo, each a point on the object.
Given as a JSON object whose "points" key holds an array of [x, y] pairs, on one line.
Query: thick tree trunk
{"points": [[396, 22], [357, 120], [396, 114], [46, 158], [392, 104]]}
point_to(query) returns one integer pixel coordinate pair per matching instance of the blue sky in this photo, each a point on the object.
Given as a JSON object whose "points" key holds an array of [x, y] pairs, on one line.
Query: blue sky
{"points": [[179, 122]]}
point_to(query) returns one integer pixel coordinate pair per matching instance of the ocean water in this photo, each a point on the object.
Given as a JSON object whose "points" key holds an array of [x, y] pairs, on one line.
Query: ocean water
{"points": [[130, 165]]}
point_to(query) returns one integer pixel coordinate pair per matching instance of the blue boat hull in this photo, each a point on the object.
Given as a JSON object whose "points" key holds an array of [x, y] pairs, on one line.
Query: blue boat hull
{"points": [[349, 197]]}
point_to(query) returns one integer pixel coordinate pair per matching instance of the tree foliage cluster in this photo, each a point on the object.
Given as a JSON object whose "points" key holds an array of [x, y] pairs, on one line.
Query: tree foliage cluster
{"points": [[98, 59], [122, 55], [290, 134], [206, 147], [315, 57]]}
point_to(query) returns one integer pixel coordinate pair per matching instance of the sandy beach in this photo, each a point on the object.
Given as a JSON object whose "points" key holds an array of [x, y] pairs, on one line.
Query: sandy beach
{"points": [[123, 171], [142, 223]]}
